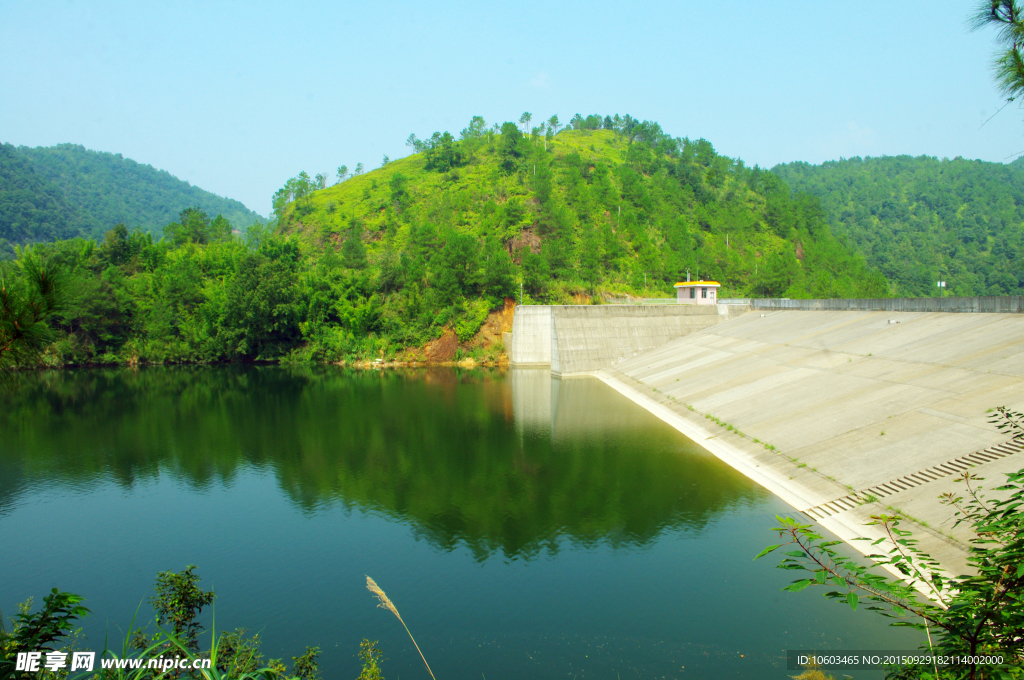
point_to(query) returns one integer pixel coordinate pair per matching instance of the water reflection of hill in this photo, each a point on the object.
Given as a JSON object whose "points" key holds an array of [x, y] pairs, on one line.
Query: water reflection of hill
{"points": [[496, 462]]}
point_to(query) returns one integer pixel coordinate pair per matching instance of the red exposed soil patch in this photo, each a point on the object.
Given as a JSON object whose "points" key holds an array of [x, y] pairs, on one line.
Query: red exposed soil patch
{"points": [[442, 349], [507, 315], [527, 238], [497, 323], [799, 251]]}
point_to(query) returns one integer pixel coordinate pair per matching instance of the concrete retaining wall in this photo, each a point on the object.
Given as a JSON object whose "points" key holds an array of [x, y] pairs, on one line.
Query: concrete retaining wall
{"points": [[531, 336], [589, 338]]}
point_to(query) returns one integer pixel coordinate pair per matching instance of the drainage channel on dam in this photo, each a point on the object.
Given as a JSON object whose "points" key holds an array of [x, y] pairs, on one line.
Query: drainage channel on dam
{"points": [[953, 467]]}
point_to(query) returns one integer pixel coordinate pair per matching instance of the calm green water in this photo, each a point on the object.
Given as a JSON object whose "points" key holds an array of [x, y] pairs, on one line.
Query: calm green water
{"points": [[525, 527]]}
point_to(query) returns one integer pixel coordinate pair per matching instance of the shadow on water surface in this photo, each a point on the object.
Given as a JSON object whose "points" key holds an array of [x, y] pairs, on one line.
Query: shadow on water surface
{"points": [[496, 461]]}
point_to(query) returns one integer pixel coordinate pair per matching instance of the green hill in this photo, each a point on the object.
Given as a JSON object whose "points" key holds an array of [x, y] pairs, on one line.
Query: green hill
{"points": [[415, 260], [76, 192], [923, 220], [574, 214]]}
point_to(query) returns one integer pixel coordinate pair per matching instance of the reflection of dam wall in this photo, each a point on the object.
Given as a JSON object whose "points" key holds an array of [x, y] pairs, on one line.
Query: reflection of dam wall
{"points": [[531, 398], [571, 408], [531, 336], [588, 409], [576, 339]]}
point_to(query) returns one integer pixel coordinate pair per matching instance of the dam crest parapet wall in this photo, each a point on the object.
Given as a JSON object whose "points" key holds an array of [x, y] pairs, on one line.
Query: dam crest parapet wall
{"points": [[983, 304]]}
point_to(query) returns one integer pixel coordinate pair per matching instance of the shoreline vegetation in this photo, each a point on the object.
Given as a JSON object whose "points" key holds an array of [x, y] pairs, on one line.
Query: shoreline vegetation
{"points": [[469, 362]]}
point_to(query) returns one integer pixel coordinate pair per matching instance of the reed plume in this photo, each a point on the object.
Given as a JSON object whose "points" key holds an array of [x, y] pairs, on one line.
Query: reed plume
{"points": [[386, 603]]}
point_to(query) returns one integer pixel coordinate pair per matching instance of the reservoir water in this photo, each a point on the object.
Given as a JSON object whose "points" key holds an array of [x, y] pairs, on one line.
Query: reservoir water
{"points": [[525, 527]]}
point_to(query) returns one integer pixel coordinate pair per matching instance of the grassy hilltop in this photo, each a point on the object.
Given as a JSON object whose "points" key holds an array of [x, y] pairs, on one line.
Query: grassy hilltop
{"points": [[579, 213]]}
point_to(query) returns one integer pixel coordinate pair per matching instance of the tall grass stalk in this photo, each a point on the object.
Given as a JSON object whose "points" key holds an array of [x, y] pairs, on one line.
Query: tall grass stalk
{"points": [[385, 603]]}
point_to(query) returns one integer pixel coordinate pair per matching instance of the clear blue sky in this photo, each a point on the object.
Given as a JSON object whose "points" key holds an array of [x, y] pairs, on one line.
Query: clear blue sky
{"points": [[238, 97]]}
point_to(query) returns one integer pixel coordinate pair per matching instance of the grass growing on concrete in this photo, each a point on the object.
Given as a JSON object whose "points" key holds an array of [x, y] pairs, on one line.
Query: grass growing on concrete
{"points": [[731, 428]]}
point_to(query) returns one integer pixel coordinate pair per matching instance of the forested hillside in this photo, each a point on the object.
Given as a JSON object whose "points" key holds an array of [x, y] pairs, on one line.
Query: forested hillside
{"points": [[923, 220], [572, 214], [67, 190], [385, 264], [31, 208]]}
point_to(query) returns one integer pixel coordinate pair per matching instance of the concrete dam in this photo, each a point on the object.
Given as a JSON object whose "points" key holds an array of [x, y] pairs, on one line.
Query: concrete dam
{"points": [[579, 339], [843, 413]]}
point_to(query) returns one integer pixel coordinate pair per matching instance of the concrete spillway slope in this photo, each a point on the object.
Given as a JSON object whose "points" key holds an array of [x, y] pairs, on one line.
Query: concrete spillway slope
{"points": [[858, 405]]}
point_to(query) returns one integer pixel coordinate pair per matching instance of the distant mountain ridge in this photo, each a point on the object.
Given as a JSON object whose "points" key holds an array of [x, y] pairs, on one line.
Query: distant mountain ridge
{"points": [[923, 220], [31, 208], [64, 191]]}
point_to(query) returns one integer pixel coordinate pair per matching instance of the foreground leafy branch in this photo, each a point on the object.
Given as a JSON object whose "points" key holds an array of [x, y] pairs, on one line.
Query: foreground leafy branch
{"points": [[1007, 17], [979, 614], [178, 602]]}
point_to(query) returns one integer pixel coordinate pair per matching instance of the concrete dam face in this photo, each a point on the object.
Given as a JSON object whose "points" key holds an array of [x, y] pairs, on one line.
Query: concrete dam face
{"points": [[843, 414]]}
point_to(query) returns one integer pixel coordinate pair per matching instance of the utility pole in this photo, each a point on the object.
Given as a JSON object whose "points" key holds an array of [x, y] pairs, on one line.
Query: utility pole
{"points": [[520, 294]]}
